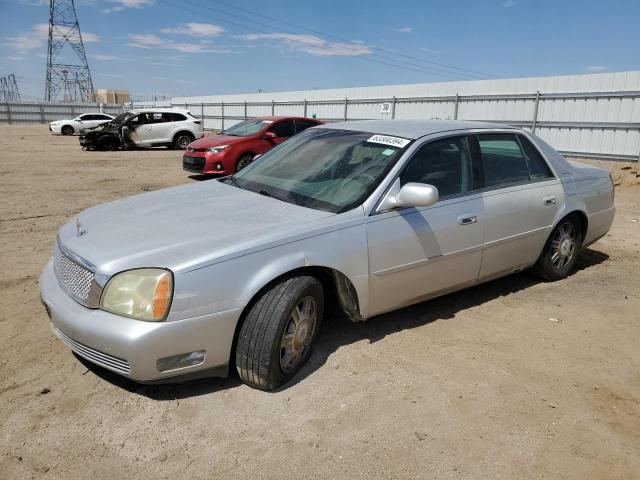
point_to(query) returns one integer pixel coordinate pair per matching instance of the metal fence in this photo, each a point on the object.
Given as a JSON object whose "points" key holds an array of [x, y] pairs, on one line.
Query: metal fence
{"points": [[45, 112], [607, 138]]}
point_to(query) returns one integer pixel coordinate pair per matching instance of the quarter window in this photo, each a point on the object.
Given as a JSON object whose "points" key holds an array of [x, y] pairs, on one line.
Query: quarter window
{"points": [[538, 168], [445, 164], [304, 124]]}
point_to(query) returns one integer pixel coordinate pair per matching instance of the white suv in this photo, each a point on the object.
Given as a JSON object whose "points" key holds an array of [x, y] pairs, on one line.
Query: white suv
{"points": [[146, 128], [79, 124]]}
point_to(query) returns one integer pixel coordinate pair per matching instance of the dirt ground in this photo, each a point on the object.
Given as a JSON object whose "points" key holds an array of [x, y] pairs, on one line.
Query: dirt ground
{"points": [[512, 379]]}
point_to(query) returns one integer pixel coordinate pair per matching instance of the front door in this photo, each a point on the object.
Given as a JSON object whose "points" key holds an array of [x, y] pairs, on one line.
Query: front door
{"points": [[415, 253], [141, 133]]}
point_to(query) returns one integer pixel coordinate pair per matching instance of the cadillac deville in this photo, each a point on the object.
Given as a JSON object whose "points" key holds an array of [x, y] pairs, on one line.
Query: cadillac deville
{"points": [[364, 217]]}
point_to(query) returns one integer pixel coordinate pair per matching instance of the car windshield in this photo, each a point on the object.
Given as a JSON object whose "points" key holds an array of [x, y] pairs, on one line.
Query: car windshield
{"points": [[326, 169], [123, 117], [247, 128]]}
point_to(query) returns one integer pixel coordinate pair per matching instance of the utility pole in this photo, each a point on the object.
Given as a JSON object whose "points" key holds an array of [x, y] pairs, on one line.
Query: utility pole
{"points": [[64, 31]]}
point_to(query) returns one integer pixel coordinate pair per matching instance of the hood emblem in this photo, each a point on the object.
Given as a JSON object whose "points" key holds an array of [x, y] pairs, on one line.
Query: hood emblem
{"points": [[79, 230]]}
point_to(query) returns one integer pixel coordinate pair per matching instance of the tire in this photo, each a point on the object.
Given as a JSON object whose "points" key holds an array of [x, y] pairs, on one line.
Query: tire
{"points": [[182, 140], [277, 334], [561, 250], [67, 130], [243, 161], [108, 143]]}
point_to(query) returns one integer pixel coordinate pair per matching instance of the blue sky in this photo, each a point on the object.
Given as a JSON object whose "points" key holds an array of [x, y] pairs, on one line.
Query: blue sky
{"points": [[193, 47]]}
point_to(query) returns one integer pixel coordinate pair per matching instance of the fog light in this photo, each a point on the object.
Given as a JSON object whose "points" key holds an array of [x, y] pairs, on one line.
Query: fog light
{"points": [[181, 361], [219, 166]]}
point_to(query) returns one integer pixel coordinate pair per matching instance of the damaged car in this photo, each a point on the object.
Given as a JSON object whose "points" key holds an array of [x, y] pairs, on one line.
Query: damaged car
{"points": [[362, 218], [171, 128]]}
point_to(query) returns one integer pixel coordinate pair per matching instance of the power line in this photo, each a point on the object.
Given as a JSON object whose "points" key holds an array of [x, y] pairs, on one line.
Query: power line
{"points": [[392, 62], [453, 67]]}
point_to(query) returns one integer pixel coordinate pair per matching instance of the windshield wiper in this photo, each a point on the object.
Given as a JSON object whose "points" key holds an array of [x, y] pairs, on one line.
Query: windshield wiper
{"points": [[233, 179], [265, 193]]}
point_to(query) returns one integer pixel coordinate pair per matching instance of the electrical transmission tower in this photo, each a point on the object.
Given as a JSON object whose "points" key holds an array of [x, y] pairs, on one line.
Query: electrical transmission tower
{"points": [[67, 68], [9, 89]]}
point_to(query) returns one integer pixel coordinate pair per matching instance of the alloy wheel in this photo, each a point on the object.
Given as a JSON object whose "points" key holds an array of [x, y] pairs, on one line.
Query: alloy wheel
{"points": [[298, 333], [563, 245]]}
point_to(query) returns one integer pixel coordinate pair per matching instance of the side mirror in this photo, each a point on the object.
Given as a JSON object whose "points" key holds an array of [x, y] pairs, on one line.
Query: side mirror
{"points": [[268, 136], [410, 195]]}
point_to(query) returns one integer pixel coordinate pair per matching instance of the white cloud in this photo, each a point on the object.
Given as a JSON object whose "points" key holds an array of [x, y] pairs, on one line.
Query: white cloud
{"points": [[37, 38], [404, 29], [509, 3], [148, 40], [195, 30], [122, 4], [89, 37], [103, 58], [311, 44], [596, 68]]}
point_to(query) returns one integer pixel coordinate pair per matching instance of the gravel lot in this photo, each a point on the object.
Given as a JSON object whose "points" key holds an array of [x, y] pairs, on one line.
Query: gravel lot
{"points": [[512, 379]]}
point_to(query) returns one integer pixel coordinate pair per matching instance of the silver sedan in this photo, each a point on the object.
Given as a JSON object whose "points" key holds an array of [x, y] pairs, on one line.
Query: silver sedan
{"points": [[367, 216]]}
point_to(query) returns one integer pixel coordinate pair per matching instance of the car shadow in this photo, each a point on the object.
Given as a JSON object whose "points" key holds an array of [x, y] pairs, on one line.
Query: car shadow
{"points": [[200, 178], [337, 331]]}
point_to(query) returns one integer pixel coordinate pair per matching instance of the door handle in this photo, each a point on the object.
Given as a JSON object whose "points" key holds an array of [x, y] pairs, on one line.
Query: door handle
{"points": [[549, 201], [467, 220]]}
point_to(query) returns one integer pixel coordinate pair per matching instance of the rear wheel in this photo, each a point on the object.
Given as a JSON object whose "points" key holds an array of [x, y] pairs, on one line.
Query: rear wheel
{"points": [[67, 130], [243, 161], [182, 140], [561, 250], [277, 334]]}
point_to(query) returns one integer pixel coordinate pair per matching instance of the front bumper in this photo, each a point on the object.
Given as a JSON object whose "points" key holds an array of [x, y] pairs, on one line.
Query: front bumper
{"points": [[86, 141], [132, 348], [207, 163], [55, 128]]}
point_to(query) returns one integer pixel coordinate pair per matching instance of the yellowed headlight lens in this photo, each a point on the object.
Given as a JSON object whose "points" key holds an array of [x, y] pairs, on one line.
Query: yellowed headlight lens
{"points": [[143, 294]]}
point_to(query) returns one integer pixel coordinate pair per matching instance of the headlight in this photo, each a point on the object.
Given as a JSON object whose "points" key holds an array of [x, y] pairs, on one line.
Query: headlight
{"points": [[219, 149], [143, 294]]}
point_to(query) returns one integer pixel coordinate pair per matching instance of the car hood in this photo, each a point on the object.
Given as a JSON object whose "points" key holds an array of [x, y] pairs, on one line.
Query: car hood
{"points": [[216, 141], [183, 227]]}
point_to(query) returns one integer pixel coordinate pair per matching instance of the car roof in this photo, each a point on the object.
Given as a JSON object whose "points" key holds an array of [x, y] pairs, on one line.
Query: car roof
{"points": [[158, 110], [413, 128], [283, 117]]}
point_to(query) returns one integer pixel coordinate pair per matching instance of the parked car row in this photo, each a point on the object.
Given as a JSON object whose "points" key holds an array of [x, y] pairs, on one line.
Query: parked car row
{"points": [[361, 217]]}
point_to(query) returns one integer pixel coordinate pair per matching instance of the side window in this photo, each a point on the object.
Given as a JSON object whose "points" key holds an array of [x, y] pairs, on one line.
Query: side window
{"points": [[503, 160], [283, 129], [445, 164], [86, 117], [302, 125], [102, 117], [138, 120], [156, 117], [538, 168], [177, 117]]}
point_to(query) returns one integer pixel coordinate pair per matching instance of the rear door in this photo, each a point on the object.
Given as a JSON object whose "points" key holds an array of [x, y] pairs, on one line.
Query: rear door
{"points": [[522, 198], [415, 253]]}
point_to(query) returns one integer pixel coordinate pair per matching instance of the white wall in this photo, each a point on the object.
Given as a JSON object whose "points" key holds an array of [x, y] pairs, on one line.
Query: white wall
{"points": [[623, 142]]}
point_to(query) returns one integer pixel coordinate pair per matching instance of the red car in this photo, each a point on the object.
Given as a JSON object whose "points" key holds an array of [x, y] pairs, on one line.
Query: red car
{"points": [[237, 146]]}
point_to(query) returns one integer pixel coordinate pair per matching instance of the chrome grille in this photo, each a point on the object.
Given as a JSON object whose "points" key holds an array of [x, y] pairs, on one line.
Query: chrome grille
{"points": [[93, 355], [76, 280]]}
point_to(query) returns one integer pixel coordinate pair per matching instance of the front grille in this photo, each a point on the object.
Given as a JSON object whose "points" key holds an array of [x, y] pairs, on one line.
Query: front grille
{"points": [[75, 279], [93, 355], [193, 164]]}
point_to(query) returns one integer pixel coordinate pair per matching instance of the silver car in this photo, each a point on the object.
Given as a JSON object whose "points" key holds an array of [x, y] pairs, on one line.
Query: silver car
{"points": [[366, 216]]}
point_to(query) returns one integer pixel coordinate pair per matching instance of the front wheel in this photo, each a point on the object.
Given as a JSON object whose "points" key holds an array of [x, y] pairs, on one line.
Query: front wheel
{"points": [[277, 334], [108, 143], [67, 130], [561, 250], [243, 161]]}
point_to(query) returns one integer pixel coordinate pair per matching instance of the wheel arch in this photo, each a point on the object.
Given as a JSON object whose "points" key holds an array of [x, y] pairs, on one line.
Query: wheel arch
{"points": [[180, 132], [340, 295]]}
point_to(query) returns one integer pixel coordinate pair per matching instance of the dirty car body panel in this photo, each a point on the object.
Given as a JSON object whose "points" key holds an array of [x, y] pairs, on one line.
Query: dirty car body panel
{"points": [[381, 259]]}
